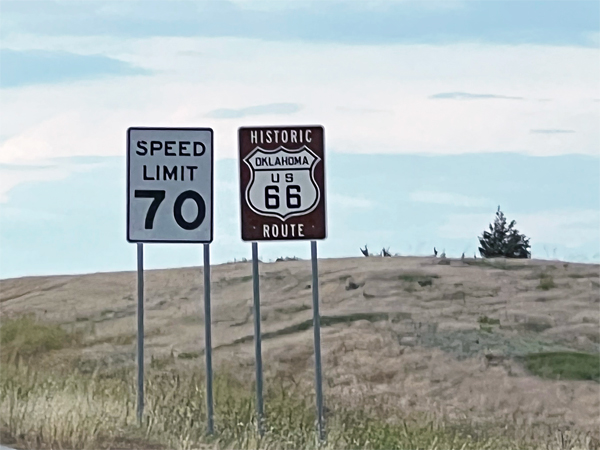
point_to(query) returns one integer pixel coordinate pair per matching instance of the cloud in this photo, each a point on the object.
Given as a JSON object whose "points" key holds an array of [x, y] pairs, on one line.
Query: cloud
{"points": [[22, 68], [552, 131], [468, 96], [346, 201], [446, 198], [91, 118], [572, 228], [258, 110], [51, 170], [557, 23]]}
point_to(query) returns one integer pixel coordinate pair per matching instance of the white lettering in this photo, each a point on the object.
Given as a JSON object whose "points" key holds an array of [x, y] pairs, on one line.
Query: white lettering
{"points": [[306, 136], [294, 139], [254, 137], [265, 230], [300, 230], [275, 231]]}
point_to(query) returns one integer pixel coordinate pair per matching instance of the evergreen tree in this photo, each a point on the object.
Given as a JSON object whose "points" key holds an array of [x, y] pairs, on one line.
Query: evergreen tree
{"points": [[503, 241]]}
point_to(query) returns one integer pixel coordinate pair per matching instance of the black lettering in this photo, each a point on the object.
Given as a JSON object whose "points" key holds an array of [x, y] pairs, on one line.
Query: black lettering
{"points": [[289, 177], [271, 200], [146, 177], [183, 149], [292, 193], [158, 197], [201, 213], [275, 177], [155, 146], [169, 146], [192, 168], [171, 175], [196, 144], [142, 144]]}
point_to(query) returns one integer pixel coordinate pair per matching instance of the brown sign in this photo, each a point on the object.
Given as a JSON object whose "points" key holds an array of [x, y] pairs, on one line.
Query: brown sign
{"points": [[282, 183]]}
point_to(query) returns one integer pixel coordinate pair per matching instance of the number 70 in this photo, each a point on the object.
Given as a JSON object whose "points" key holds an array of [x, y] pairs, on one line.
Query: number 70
{"points": [[158, 196]]}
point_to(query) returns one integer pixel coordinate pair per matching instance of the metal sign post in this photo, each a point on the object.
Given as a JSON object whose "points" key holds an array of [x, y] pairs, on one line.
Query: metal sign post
{"points": [[140, 332], [170, 200], [282, 192], [317, 338], [257, 339], [207, 341]]}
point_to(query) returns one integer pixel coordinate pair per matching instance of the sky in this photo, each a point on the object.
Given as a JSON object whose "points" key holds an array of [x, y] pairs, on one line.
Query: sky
{"points": [[435, 113]]}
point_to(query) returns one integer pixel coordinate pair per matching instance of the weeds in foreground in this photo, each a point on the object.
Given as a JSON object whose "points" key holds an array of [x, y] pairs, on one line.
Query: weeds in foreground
{"points": [[55, 411], [67, 409]]}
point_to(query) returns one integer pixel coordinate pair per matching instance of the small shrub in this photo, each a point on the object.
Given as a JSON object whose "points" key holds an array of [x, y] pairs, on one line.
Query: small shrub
{"points": [[546, 282], [188, 355], [488, 321]]}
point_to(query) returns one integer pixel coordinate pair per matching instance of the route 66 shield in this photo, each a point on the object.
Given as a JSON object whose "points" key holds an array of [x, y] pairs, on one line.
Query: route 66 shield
{"points": [[282, 182]]}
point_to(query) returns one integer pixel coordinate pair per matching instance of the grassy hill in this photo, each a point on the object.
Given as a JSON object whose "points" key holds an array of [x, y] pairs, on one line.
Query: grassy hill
{"points": [[417, 353]]}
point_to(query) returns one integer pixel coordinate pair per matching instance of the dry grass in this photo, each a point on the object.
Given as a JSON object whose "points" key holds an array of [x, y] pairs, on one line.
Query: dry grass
{"points": [[42, 410], [410, 362]]}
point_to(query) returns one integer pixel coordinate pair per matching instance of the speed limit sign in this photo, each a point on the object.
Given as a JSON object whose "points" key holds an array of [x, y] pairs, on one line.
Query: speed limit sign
{"points": [[170, 185]]}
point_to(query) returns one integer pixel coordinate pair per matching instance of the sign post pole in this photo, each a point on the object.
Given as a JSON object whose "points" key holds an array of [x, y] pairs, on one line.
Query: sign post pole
{"points": [[257, 339], [170, 200], [207, 341], [282, 198], [140, 332], [317, 338]]}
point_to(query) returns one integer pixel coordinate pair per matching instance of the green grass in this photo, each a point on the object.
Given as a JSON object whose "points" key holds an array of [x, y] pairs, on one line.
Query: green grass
{"points": [[564, 365], [326, 321], [26, 337], [488, 321], [416, 277], [502, 264], [583, 275]]}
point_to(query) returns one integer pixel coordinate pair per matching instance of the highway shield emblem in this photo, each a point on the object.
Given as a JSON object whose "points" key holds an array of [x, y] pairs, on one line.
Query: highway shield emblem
{"points": [[282, 182]]}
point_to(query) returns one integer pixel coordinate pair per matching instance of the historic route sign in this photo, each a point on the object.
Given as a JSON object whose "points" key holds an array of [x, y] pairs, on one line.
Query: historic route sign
{"points": [[282, 183], [170, 185]]}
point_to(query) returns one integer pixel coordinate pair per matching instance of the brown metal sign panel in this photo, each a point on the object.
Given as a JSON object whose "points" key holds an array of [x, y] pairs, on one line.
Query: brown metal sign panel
{"points": [[282, 183]]}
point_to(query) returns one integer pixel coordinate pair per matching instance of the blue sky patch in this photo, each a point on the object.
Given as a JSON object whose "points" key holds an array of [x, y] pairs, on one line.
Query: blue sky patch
{"points": [[409, 203], [22, 68]]}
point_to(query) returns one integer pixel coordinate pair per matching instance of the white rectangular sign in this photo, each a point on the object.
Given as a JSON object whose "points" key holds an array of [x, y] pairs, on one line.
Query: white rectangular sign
{"points": [[170, 185]]}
